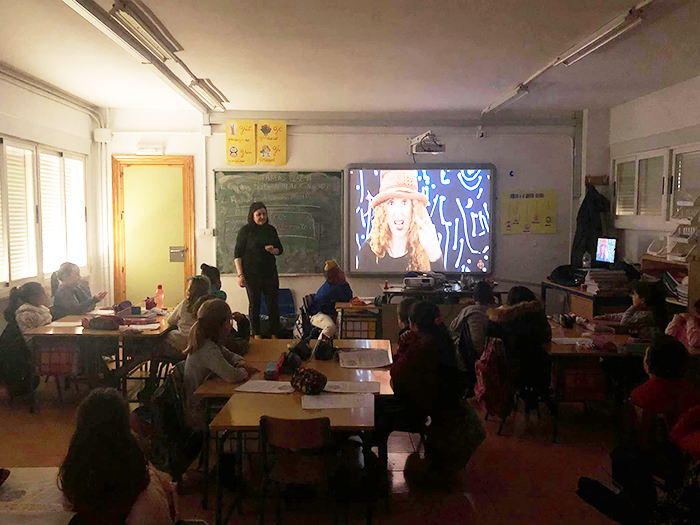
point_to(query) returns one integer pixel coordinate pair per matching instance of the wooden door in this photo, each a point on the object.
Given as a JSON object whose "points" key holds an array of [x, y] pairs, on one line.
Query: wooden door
{"points": [[153, 209]]}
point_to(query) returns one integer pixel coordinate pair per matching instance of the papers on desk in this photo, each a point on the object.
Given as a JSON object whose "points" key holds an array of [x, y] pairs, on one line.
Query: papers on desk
{"points": [[364, 358], [138, 327], [571, 341], [353, 387], [266, 387], [67, 324], [326, 401]]}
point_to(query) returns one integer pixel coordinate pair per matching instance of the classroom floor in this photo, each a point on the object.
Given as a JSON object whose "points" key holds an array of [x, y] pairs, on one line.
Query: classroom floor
{"points": [[519, 477]]}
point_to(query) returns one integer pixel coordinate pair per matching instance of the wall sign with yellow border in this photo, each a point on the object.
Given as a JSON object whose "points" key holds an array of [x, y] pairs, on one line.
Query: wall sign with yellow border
{"points": [[240, 143], [528, 212], [272, 143]]}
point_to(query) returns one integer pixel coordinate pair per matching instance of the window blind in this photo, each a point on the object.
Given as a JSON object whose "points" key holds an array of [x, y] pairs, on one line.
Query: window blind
{"points": [[625, 175], [651, 175], [53, 236], [4, 267], [76, 228], [21, 213]]}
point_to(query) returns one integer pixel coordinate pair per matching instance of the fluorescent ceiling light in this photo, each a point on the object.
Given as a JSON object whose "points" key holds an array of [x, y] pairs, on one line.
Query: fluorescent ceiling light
{"points": [[142, 24], [507, 99], [604, 35], [208, 93]]}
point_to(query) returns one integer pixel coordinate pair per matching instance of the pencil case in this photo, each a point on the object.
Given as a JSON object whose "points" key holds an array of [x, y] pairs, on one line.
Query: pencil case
{"points": [[271, 371]]}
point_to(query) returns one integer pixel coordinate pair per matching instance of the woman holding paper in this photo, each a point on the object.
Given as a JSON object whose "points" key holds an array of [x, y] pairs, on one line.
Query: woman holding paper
{"points": [[257, 246]]}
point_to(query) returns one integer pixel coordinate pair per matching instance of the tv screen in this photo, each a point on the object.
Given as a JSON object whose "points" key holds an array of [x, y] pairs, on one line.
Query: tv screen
{"points": [[605, 251], [414, 217]]}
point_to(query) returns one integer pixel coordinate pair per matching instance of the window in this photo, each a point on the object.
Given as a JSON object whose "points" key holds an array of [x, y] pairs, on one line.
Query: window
{"points": [[42, 211], [686, 168], [21, 218], [641, 199]]}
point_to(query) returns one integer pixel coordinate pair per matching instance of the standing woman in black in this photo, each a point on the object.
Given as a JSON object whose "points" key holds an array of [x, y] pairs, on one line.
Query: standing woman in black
{"points": [[256, 247]]}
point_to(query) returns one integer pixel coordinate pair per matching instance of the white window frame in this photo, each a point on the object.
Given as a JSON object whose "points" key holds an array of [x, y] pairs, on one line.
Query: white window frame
{"points": [[687, 148], [37, 149], [644, 222]]}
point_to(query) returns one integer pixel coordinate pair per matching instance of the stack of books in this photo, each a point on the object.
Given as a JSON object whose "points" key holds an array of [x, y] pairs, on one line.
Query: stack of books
{"points": [[606, 282]]}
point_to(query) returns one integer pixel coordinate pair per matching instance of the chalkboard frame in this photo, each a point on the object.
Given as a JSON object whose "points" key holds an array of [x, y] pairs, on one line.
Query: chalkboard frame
{"points": [[340, 172], [493, 200]]}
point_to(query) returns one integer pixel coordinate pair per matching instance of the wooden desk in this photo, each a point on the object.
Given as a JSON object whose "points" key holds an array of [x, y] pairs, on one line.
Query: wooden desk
{"points": [[585, 304], [359, 321], [557, 350], [75, 331], [262, 351]]}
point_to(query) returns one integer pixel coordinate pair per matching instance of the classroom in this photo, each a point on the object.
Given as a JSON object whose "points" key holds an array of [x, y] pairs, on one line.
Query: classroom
{"points": [[390, 261]]}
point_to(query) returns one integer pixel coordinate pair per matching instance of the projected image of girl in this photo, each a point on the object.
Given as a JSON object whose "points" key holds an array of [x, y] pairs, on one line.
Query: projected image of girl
{"points": [[402, 238]]}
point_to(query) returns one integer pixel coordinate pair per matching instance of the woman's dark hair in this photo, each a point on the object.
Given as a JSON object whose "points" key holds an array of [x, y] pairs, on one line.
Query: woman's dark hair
{"points": [[483, 293], [59, 275], [253, 208], [200, 285], [667, 357], [654, 297], [104, 471], [213, 273], [18, 296], [520, 294], [404, 309]]}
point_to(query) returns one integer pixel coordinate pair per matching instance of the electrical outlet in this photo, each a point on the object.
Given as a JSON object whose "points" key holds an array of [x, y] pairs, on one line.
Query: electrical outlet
{"points": [[480, 133]]}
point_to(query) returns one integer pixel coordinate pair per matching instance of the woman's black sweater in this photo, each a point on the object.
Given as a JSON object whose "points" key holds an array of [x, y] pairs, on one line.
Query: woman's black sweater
{"points": [[250, 247]]}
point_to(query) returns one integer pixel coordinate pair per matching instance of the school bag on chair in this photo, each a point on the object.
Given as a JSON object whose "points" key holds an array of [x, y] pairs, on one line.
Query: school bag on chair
{"points": [[493, 388], [466, 359]]}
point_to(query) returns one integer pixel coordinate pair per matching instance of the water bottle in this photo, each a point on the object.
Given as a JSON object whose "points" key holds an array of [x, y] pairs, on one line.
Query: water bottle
{"points": [[586, 260], [160, 296]]}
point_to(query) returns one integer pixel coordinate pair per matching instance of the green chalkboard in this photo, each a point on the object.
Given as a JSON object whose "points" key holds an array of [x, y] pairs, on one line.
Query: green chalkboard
{"points": [[304, 206]]}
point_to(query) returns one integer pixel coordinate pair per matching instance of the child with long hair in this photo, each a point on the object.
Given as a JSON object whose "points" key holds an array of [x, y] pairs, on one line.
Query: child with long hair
{"points": [[105, 477], [71, 294], [402, 238], [28, 306], [214, 275], [184, 315], [685, 327], [238, 339], [206, 356], [648, 310]]}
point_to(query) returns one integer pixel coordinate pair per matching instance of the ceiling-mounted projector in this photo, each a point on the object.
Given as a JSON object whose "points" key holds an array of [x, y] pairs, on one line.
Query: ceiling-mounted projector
{"points": [[426, 143]]}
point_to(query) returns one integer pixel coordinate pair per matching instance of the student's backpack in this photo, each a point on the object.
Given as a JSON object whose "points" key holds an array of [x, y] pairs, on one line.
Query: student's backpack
{"points": [[466, 357], [16, 364], [494, 387], [302, 326], [171, 445]]}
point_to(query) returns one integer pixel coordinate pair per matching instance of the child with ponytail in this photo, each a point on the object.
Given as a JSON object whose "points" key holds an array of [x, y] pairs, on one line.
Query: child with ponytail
{"points": [[28, 306], [71, 294], [206, 355]]}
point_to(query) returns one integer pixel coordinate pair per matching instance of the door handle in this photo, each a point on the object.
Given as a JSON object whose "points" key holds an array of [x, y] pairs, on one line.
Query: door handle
{"points": [[177, 253]]}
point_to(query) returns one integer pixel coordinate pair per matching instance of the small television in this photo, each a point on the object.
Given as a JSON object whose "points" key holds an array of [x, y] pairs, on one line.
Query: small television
{"points": [[605, 250]]}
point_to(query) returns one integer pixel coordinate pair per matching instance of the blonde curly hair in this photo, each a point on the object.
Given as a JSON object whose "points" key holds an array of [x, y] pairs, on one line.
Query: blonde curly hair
{"points": [[380, 235]]}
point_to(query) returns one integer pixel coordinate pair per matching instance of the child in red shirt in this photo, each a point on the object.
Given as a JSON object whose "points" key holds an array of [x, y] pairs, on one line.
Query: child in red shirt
{"points": [[667, 391]]}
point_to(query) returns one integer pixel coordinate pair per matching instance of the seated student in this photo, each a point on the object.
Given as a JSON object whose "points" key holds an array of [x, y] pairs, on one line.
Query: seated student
{"points": [[423, 376], [685, 327], [206, 356], [184, 315], [403, 312], [105, 477], [335, 289], [212, 272], [71, 295], [475, 315], [648, 310], [523, 327], [238, 340], [28, 306], [667, 392]]}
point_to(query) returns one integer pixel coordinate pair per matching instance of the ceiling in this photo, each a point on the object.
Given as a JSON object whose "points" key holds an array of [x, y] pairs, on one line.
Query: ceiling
{"points": [[370, 56]]}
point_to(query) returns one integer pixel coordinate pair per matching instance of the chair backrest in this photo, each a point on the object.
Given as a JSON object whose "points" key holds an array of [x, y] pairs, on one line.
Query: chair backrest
{"points": [[295, 434], [285, 300]]}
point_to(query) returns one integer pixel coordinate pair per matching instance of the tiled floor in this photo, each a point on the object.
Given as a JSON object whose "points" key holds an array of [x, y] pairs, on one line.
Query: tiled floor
{"points": [[519, 477]]}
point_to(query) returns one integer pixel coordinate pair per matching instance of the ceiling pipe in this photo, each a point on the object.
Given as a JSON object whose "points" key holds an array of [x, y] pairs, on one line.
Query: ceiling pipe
{"points": [[101, 19]]}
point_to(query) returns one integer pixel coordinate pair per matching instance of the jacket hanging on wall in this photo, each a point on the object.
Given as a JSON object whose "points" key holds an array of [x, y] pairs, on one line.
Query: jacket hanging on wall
{"points": [[589, 225]]}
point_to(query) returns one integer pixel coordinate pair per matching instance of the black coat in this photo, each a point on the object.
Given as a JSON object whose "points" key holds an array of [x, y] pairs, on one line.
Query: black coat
{"points": [[16, 363], [589, 225]]}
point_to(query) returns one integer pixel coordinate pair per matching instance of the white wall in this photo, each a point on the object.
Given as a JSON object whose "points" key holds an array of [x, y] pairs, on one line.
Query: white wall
{"points": [[541, 158], [664, 119]]}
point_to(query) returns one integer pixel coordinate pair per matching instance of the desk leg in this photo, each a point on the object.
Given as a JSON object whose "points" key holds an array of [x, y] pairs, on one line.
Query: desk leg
{"points": [[219, 489], [205, 452], [239, 468], [543, 296], [554, 402]]}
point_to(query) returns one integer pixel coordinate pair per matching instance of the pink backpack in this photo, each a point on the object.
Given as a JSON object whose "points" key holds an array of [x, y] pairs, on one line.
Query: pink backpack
{"points": [[493, 390]]}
